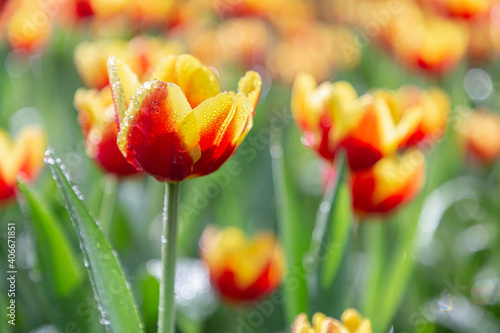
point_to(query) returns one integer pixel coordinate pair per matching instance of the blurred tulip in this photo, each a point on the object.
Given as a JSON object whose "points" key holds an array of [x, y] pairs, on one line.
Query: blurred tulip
{"points": [[479, 132], [351, 322], [272, 9], [29, 23], [312, 109], [239, 41], [482, 43], [75, 12], [20, 157], [312, 49], [463, 8], [434, 106], [391, 182], [179, 125], [97, 119], [242, 269], [333, 117], [436, 44], [150, 12], [141, 53], [107, 8]]}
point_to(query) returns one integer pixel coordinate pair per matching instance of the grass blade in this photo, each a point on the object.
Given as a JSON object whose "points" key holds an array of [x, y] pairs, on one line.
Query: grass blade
{"points": [[291, 233], [115, 301], [57, 257], [330, 236]]}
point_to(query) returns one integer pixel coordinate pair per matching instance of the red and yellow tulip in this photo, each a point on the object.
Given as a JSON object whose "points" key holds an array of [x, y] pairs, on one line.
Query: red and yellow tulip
{"points": [[334, 117], [22, 156], [96, 116], [391, 182], [179, 125], [479, 132], [434, 106], [350, 322], [436, 46], [242, 269]]}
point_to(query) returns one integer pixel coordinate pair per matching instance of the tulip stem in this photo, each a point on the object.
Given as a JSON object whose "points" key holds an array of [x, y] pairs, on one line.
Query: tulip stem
{"points": [[166, 309]]}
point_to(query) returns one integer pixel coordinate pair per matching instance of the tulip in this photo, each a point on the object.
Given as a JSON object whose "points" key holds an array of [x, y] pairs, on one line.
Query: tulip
{"points": [[242, 269], [391, 182], [96, 118], [20, 157], [351, 322], [22, 30], [313, 49], [239, 41], [437, 45], [333, 117], [178, 125], [480, 134], [467, 9], [434, 106]]}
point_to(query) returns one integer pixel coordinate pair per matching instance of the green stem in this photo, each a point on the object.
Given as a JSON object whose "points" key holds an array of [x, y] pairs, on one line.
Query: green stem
{"points": [[108, 202], [166, 310]]}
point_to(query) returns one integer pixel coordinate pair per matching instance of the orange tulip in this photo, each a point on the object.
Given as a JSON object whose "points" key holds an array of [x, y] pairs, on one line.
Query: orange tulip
{"points": [[480, 134], [242, 269], [333, 117], [20, 157], [351, 322], [179, 125], [391, 182], [97, 119]]}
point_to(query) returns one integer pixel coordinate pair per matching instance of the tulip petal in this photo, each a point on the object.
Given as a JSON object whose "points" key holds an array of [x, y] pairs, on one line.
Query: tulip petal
{"points": [[158, 133], [391, 182], [224, 121], [408, 124], [25, 153], [197, 81], [373, 136], [124, 83], [306, 116], [250, 85]]}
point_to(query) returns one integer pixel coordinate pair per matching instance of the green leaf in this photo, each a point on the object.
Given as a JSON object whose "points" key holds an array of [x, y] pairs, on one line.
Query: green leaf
{"points": [[291, 233], [59, 263], [330, 235], [111, 289]]}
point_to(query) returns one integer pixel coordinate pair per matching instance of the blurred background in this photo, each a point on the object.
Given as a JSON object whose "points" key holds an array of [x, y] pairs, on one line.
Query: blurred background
{"points": [[432, 265]]}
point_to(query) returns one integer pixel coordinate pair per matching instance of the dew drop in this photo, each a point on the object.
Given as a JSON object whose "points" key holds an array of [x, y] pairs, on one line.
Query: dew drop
{"points": [[276, 151], [49, 160], [86, 262], [308, 139], [324, 207]]}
